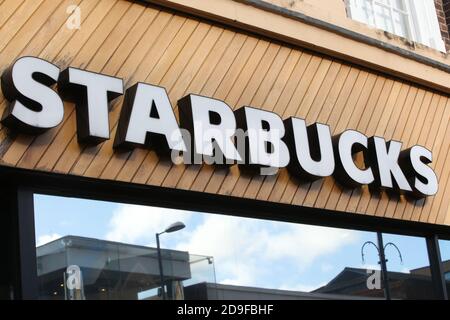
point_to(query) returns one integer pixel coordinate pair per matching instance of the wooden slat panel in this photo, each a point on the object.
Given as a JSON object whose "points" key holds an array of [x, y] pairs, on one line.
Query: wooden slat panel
{"points": [[231, 93], [284, 98], [444, 213], [185, 55], [319, 190], [364, 195], [172, 179], [230, 181], [430, 139], [118, 67], [303, 195], [420, 130], [339, 117], [184, 79], [7, 9], [16, 151], [34, 152], [129, 67], [232, 48], [385, 129], [200, 78], [271, 99], [259, 98], [22, 46], [172, 49], [409, 136], [359, 121], [180, 88], [220, 89], [235, 185], [316, 187], [432, 208], [309, 67], [339, 198], [168, 78], [406, 131], [20, 18]]}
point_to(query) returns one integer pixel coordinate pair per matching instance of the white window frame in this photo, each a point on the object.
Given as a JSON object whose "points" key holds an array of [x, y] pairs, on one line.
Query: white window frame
{"points": [[422, 25]]}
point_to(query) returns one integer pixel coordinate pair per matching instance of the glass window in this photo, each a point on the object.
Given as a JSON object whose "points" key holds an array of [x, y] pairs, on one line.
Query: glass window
{"points": [[99, 250], [408, 267], [415, 20], [444, 246]]}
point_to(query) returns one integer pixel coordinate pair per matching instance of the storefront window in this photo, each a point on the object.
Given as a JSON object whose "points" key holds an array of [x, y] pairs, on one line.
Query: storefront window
{"points": [[90, 250], [444, 245], [408, 267], [99, 250]]}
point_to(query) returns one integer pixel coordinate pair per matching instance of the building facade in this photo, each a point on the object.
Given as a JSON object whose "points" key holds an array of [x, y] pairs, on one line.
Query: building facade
{"points": [[377, 70]]}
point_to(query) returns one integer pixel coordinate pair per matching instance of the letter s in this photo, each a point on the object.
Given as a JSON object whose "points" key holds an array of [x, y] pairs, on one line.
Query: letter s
{"points": [[414, 162], [34, 107]]}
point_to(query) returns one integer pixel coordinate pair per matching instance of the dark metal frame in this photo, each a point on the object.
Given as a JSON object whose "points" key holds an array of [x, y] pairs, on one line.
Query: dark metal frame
{"points": [[437, 274], [383, 261], [160, 265], [19, 277]]}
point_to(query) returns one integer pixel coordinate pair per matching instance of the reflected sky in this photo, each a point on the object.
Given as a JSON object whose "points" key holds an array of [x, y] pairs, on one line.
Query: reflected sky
{"points": [[247, 252]]}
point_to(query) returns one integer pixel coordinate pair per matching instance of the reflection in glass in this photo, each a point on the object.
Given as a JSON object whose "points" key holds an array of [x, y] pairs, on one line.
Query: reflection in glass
{"points": [[214, 257], [109, 270], [410, 277], [444, 246]]}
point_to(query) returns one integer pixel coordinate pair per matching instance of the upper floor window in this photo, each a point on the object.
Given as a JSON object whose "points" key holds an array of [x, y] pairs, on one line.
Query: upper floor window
{"points": [[415, 20]]}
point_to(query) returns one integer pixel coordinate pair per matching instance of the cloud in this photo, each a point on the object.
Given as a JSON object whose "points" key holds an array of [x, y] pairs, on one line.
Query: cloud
{"points": [[306, 243], [251, 252], [138, 224], [326, 267], [46, 238], [246, 252], [405, 270]]}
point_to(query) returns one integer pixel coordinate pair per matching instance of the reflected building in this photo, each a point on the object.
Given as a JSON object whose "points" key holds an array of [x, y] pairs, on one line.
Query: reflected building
{"points": [[349, 284], [414, 285], [110, 270]]}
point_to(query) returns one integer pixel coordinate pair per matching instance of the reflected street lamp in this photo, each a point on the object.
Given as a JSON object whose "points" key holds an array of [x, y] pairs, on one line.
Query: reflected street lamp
{"points": [[172, 228], [383, 261]]}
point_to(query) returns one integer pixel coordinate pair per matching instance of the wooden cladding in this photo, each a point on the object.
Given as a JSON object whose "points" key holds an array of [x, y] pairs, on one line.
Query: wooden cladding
{"points": [[186, 55]]}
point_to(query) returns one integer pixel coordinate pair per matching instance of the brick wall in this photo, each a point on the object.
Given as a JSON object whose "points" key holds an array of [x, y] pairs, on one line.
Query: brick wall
{"points": [[443, 14]]}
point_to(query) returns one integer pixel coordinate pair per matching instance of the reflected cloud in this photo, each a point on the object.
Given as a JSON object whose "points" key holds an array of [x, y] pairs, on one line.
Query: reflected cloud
{"points": [[46, 238], [246, 251]]}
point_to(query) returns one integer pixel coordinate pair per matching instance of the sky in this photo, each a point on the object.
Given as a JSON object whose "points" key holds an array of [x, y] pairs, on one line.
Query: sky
{"points": [[246, 252]]}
